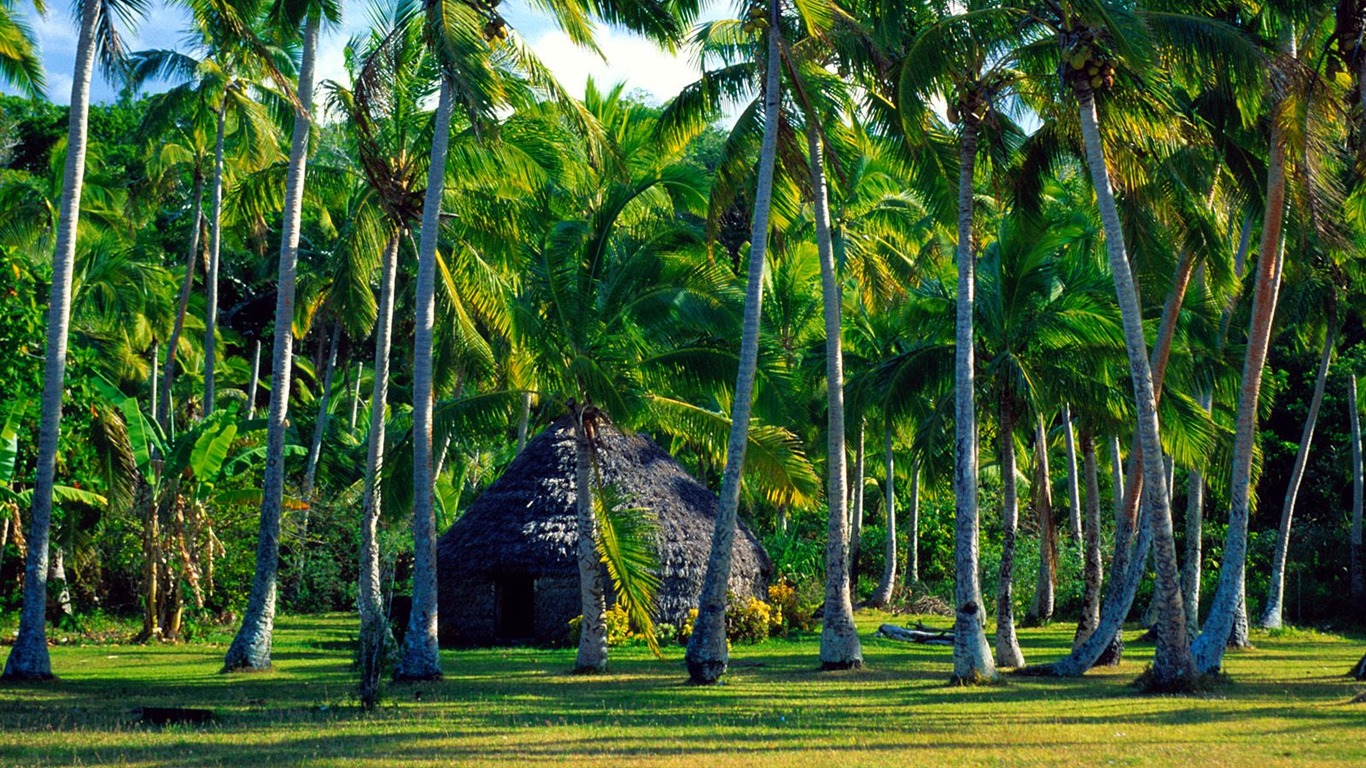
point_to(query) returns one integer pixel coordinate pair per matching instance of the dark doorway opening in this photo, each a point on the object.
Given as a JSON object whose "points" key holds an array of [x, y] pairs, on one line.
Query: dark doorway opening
{"points": [[515, 608]]}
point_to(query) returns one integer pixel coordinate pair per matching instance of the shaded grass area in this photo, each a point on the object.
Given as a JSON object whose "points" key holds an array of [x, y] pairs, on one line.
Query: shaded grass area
{"points": [[1287, 703]]}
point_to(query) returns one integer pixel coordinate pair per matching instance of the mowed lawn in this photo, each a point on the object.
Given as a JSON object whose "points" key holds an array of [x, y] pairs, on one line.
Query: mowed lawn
{"points": [[1288, 702]]}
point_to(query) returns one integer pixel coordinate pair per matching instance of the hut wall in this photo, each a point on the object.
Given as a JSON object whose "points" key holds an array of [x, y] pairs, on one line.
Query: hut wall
{"points": [[465, 612], [557, 601]]}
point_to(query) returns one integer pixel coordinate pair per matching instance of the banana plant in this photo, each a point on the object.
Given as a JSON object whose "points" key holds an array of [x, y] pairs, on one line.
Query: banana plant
{"points": [[174, 484]]}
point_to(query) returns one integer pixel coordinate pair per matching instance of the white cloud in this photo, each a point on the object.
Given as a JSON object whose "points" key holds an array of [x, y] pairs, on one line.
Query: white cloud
{"points": [[629, 59]]}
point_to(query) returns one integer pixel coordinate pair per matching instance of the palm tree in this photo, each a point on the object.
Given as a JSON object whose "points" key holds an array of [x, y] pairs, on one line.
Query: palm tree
{"points": [[708, 649], [1355, 569], [28, 659], [250, 649], [1271, 612]]}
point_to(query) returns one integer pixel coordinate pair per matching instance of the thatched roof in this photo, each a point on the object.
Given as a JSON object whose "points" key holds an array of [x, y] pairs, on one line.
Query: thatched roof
{"points": [[525, 523]]}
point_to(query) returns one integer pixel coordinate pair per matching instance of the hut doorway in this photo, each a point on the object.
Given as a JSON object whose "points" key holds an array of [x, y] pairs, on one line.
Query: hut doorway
{"points": [[514, 608]]}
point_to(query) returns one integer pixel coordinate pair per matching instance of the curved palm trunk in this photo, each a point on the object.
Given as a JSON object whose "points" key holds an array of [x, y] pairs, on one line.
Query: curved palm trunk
{"points": [[1271, 616], [1228, 597], [421, 658], [211, 273], [592, 655], [250, 649], [166, 402], [374, 630], [1073, 481], [1190, 564], [1172, 667], [883, 594], [1357, 579], [28, 659], [1093, 569], [1007, 645], [840, 647], [707, 653], [255, 380], [972, 660], [1041, 608]]}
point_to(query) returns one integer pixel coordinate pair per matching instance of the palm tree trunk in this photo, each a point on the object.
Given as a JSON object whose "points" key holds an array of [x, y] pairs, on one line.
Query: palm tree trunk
{"points": [[421, 658], [1093, 570], [315, 446], [707, 653], [883, 594], [1219, 625], [1190, 564], [972, 662], [1172, 667], [152, 378], [1357, 553], [1041, 608], [374, 630], [523, 421], [163, 410], [1007, 646], [1073, 482], [255, 379], [355, 399], [855, 512], [592, 655], [211, 274], [28, 659], [913, 531], [250, 649], [840, 647], [1272, 615], [1117, 473]]}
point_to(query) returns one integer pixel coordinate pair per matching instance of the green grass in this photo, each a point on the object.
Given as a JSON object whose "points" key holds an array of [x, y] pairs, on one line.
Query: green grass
{"points": [[1287, 703]]}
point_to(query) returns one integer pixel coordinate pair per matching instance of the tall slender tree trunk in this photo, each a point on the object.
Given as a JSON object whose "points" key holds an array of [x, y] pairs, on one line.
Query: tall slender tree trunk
{"points": [[707, 653], [1219, 625], [1172, 667], [1073, 482], [56, 576], [883, 594], [1041, 608], [211, 273], [250, 649], [255, 380], [1093, 570], [421, 657], [355, 399], [592, 655], [1190, 564], [374, 629], [972, 661], [855, 512], [166, 403], [840, 647], [28, 658], [1272, 615], [523, 421], [1116, 473], [315, 446], [1008, 652], [1358, 554], [152, 378]]}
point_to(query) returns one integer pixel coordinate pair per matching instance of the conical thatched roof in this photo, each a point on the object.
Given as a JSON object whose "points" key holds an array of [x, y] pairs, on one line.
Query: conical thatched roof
{"points": [[525, 523]]}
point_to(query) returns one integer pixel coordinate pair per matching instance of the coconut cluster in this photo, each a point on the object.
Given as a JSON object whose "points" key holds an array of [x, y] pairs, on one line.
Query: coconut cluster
{"points": [[1086, 63]]}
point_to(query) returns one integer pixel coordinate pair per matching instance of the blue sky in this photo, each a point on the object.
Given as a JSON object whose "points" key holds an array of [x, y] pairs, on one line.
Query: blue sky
{"points": [[628, 58]]}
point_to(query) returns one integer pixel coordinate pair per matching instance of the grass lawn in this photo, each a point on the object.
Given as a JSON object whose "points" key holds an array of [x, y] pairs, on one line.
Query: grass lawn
{"points": [[1288, 703]]}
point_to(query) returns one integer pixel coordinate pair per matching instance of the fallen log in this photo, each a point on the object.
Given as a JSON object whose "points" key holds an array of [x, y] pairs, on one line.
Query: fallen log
{"points": [[935, 637]]}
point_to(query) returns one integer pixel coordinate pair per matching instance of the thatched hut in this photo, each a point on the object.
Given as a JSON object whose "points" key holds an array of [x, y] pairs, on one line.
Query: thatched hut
{"points": [[508, 570]]}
